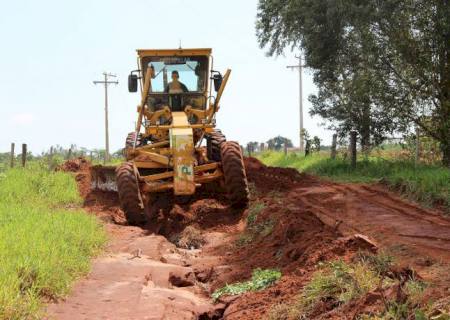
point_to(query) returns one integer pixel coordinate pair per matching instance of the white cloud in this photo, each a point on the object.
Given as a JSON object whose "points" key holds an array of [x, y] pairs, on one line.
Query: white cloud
{"points": [[22, 119]]}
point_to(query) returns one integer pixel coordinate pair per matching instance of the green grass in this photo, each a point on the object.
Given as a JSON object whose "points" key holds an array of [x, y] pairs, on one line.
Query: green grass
{"points": [[429, 184], [254, 228], [45, 245], [260, 280]]}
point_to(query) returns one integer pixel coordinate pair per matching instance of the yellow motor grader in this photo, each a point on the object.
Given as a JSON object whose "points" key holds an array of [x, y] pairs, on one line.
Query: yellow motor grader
{"points": [[176, 114]]}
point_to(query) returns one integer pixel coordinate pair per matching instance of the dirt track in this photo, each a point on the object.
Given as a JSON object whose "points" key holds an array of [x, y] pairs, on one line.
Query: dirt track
{"points": [[145, 276]]}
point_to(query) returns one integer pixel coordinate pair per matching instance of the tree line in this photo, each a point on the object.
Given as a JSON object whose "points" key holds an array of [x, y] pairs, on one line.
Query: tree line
{"points": [[381, 67]]}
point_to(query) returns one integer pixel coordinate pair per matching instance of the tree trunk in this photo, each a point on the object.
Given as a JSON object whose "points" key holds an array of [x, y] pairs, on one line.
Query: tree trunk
{"points": [[445, 147], [365, 129]]}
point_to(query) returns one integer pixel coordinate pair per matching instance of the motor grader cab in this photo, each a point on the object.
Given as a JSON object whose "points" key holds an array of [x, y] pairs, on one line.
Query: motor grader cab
{"points": [[176, 115]]}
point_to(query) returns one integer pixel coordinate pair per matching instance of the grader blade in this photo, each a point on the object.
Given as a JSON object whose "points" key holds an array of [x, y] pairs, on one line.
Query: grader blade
{"points": [[103, 178]]}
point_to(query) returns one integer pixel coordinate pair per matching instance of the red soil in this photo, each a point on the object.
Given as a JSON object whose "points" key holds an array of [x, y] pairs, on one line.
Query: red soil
{"points": [[311, 221]]}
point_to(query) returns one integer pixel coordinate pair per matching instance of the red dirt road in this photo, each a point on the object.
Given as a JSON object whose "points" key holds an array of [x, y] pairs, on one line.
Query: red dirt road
{"points": [[145, 276]]}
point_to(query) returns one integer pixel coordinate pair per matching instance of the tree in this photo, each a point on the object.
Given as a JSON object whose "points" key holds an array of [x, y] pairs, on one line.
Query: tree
{"points": [[278, 142], [316, 143], [252, 146], [380, 65]]}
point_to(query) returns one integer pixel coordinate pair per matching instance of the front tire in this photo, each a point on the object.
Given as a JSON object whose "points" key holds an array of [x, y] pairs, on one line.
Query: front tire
{"points": [[129, 194], [214, 141], [234, 174]]}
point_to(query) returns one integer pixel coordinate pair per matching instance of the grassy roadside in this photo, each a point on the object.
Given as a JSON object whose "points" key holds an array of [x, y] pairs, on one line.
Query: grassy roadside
{"points": [[427, 184], [46, 240]]}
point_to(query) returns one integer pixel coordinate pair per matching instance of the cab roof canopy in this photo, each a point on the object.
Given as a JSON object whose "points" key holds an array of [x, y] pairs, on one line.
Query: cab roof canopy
{"points": [[174, 52]]}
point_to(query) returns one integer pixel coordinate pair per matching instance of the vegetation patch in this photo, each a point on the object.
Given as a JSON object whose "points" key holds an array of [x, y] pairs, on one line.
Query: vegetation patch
{"points": [[256, 227], [337, 283], [45, 246], [260, 280], [253, 212]]}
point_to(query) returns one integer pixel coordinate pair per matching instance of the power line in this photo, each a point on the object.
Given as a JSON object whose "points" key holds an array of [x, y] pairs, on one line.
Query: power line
{"points": [[106, 82], [300, 76]]}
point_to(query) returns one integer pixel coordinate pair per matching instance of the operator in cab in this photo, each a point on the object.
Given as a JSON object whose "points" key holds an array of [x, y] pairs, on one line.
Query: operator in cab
{"points": [[175, 86]]}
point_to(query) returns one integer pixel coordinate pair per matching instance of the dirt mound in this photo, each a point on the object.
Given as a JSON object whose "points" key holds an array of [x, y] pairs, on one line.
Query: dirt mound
{"points": [[74, 165], [280, 235], [273, 178]]}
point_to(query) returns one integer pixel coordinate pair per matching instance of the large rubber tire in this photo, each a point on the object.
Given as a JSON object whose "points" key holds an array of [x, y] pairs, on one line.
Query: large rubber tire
{"points": [[130, 140], [234, 174], [214, 141], [129, 194]]}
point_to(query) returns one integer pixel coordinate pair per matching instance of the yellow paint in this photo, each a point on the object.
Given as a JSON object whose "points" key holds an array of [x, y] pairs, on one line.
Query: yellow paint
{"points": [[182, 144]]}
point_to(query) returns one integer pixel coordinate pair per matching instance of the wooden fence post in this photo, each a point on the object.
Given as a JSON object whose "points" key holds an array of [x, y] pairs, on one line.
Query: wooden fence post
{"points": [[24, 154], [333, 147], [353, 149], [261, 147], [69, 154], [50, 159], [12, 154], [417, 155], [285, 148]]}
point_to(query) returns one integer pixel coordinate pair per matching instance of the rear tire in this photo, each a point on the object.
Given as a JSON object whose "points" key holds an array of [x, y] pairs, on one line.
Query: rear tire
{"points": [[129, 194], [129, 143], [214, 141], [234, 174]]}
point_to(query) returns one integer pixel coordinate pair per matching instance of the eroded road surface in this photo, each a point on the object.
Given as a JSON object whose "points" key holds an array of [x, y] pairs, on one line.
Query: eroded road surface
{"points": [[168, 269]]}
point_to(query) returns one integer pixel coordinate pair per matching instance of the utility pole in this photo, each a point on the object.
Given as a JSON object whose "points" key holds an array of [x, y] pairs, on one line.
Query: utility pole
{"points": [[300, 76], [106, 82]]}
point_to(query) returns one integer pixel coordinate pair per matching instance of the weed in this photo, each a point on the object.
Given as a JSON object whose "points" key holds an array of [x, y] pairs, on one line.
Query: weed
{"points": [[284, 311], [254, 229], [253, 212], [253, 190], [414, 289], [260, 280], [244, 239], [335, 283], [338, 282], [380, 263]]}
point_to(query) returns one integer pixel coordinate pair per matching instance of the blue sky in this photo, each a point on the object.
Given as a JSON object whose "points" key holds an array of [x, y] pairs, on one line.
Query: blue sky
{"points": [[52, 51]]}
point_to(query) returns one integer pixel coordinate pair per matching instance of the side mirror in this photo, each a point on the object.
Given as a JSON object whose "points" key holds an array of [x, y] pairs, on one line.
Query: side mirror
{"points": [[217, 78], [132, 83]]}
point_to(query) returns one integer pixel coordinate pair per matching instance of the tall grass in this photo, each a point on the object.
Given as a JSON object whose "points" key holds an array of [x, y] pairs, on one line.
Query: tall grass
{"points": [[429, 184], [44, 245]]}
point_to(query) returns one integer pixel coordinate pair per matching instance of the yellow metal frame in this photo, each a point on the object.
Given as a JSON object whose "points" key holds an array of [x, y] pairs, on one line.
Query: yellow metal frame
{"points": [[173, 52], [159, 155]]}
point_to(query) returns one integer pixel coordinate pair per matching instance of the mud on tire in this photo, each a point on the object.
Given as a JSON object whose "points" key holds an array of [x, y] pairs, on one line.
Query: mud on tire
{"points": [[234, 174], [214, 141], [129, 194]]}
